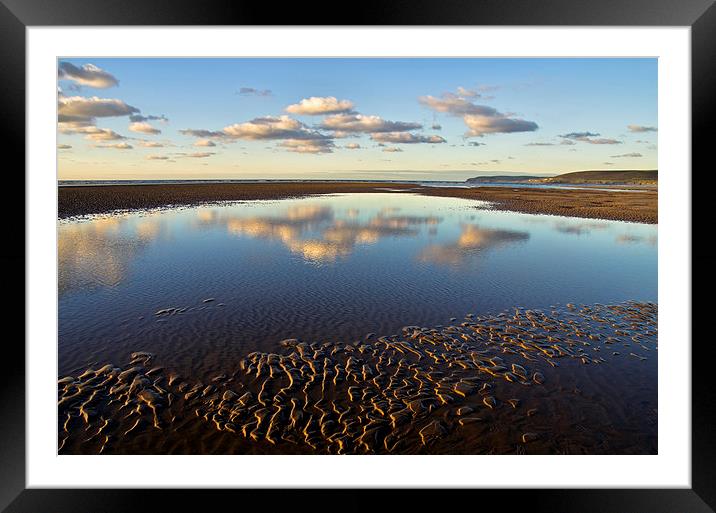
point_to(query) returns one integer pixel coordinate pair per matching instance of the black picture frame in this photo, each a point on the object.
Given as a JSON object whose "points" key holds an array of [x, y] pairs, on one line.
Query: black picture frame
{"points": [[17, 15]]}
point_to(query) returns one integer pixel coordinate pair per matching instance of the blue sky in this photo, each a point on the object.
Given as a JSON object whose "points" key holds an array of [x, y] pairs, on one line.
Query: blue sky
{"points": [[353, 118]]}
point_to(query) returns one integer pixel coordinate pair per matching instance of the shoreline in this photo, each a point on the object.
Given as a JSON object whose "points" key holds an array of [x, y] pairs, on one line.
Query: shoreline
{"points": [[637, 206]]}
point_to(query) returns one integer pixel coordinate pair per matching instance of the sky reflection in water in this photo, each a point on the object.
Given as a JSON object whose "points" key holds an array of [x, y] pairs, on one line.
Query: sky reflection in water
{"points": [[329, 267]]}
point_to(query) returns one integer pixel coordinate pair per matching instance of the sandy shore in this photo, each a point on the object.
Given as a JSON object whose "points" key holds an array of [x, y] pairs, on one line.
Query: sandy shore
{"points": [[574, 380], [638, 206]]}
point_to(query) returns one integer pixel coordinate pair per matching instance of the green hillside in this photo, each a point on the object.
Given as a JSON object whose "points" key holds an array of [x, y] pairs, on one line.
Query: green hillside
{"points": [[605, 177]]}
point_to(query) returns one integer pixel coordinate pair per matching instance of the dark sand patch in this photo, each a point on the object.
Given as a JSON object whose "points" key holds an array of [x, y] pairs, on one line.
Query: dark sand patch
{"points": [[581, 380], [83, 200], [640, 206], [636, 206]]}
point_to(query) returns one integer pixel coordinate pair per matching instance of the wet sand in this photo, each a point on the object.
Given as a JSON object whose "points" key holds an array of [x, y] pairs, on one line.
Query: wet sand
{"points": [[96, 199], [637, 206], [567, 380]]}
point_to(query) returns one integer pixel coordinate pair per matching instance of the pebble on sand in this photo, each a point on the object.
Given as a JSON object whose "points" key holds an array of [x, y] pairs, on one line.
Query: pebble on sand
{"points": [[529, 437]]}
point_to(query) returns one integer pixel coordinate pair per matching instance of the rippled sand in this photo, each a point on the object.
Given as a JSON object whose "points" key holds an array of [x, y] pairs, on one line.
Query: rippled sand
{"points": [[580, 379]]}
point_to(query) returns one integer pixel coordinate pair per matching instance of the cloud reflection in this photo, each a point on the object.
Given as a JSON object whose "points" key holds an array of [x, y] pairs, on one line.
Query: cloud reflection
{"points": [[628, 238], [317, 235], [472, 240], [579, 227], [97, 253]]}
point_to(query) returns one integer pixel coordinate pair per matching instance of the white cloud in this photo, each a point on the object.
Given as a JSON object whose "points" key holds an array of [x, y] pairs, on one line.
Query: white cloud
{"points": [[269, 127], [343, 135], [587, 137], [205, 143], [352, 146], [480, 119], [579, 135], [201, 155], [358, 123], [480, 125], [250, 91], [87, 75], [83, 109], [316, 106], [467, 93], [626, 155], [118, 146], [308, 146], [75, 127], [392, 149], [138, 118], [78, 115], [456, 106], [640, 128], [157, 157], [202, 133], [295, 136], [144, 128], [103, 134], [406, 138], [602, 140]]}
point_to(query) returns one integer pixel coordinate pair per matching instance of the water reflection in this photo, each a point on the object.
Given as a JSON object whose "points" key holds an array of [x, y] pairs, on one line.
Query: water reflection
{"points": [[578, 227], [148, 228], [325, 268], [317, 235], [97, 253], [471, 241], [402, 230], [630, 238]]}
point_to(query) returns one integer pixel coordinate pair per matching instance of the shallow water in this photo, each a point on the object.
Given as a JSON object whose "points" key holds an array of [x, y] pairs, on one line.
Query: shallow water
{"points": [[323, 268], [172, 325]]}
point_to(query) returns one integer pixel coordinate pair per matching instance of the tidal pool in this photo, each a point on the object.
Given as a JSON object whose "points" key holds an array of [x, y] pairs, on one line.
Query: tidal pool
{"points": [[201, 286], [366, 323]]}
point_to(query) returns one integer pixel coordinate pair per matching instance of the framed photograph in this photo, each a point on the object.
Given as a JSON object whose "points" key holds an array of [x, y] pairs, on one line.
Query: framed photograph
{"points": [[431, 247]]}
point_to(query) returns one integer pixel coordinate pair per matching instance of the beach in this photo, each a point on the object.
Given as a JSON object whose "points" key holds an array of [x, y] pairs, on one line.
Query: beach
{"points": [[356, 256], [520, 382], [636, 206], [388, 319]]}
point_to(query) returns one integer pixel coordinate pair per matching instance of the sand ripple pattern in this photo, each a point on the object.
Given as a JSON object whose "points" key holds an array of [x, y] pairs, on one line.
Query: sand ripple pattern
{"points": [[389, 394]]}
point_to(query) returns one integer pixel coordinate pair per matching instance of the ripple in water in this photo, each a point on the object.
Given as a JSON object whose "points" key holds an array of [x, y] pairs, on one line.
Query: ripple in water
{"points": [[201, 289]]}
